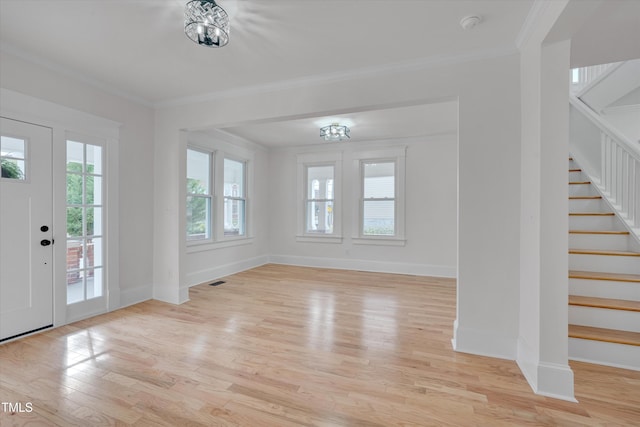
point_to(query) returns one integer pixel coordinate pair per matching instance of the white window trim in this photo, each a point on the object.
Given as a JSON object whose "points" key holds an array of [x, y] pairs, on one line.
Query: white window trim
{"points": [[211, 196], [221, 150], [319, 159], [397, 155]]}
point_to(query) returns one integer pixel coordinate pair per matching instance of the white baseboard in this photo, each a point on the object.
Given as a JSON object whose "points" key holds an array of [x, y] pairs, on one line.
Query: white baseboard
{"points": [[167, 294], [213, 273], [555, 380], [483, 342], [135, 295], [527, 360], [366, 265], [546, 379]]}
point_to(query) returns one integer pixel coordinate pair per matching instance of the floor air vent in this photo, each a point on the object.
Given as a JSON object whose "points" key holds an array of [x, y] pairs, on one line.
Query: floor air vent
{"points": [[219, 282]]}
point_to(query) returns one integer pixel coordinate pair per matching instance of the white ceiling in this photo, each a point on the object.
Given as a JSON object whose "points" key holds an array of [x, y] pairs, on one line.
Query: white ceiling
{"points": [[401, 122], [138, 48]]}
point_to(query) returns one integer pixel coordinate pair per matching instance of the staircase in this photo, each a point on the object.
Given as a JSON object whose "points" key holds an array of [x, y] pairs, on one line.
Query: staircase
{"points": [[604, 280]]}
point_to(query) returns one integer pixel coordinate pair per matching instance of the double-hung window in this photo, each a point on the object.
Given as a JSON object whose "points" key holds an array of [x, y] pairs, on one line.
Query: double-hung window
{"points": [[381, 195], [378, 202], [319, 180], [199, 195], [235, 200], [319, 201]]}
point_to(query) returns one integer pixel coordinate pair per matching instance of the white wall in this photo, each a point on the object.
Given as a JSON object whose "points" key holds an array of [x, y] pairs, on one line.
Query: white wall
{"points": [[136, 213], [584, 142], [625, 119], [431, 206]]}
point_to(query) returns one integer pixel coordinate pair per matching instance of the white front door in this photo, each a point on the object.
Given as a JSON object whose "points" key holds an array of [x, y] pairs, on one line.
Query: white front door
{"points": [[26, 254]]}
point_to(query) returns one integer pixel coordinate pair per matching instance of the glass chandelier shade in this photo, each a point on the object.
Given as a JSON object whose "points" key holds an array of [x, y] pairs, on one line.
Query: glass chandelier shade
{"points": [[334, 132], [206, 23]]}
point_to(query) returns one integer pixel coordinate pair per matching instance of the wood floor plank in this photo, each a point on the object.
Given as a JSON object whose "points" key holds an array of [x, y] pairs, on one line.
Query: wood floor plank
{"points": [[291, 346]]}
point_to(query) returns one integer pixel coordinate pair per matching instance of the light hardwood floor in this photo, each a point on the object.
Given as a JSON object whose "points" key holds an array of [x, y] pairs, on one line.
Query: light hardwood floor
{"points": [[291, 346]]}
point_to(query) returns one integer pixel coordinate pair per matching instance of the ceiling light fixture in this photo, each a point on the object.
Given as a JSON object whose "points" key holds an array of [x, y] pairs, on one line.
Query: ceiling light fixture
{"points": [[334, 132], [469, 22], [206, 23]]}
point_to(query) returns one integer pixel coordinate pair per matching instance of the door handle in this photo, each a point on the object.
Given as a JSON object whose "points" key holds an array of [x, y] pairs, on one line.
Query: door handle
{"points": [[45, 242]]}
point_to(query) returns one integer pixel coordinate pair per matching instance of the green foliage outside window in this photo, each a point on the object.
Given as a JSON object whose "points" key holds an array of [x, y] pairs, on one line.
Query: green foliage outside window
{"points": [[10, 169], [196, 209], [74, 197]]}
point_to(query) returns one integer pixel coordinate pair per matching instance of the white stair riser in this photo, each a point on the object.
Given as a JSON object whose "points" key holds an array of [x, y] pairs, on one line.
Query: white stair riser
{"points": [[605, 263], [577, 176], [621, 320], [588, 205], [595, 223], [582, 190], [605, 289], [614, 242], [604, 353]]}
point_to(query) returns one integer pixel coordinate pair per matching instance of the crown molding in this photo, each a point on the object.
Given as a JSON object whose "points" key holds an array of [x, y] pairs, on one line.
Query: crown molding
{"points": [[68, 72], [381, 70], [374, 71]]}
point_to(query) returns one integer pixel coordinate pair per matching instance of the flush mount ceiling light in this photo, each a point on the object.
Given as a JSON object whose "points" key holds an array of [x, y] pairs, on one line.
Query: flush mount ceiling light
{"points": [[469, 22], [334, 132], [206, 23]]}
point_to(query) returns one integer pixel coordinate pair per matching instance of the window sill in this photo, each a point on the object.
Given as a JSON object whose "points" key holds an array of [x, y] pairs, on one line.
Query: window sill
{"points": [[319, 239], [210, 246], [379, 241]]}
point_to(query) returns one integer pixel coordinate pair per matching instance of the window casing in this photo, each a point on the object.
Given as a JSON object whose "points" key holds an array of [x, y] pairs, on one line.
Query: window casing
{"points": [[380, 175], [319, 192], [199, 204]]}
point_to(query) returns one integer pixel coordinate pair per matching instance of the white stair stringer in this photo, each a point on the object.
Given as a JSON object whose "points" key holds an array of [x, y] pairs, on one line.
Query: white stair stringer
{"points": [[595, 233]]}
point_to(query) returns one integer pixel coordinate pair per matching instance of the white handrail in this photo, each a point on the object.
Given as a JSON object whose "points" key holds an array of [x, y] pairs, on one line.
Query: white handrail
{"points": [[619, 168]]}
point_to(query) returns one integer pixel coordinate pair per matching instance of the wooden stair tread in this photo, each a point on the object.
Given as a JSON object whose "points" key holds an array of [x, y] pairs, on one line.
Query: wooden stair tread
{"points": [[591, 214], [585, 197], [595, 275], [612, 304], [598, 252], [579, 182], [606, 335], [624, 233]]}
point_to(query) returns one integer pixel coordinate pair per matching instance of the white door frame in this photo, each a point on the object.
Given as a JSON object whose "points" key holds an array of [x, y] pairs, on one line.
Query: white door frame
{"points": [[64, 120]]}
